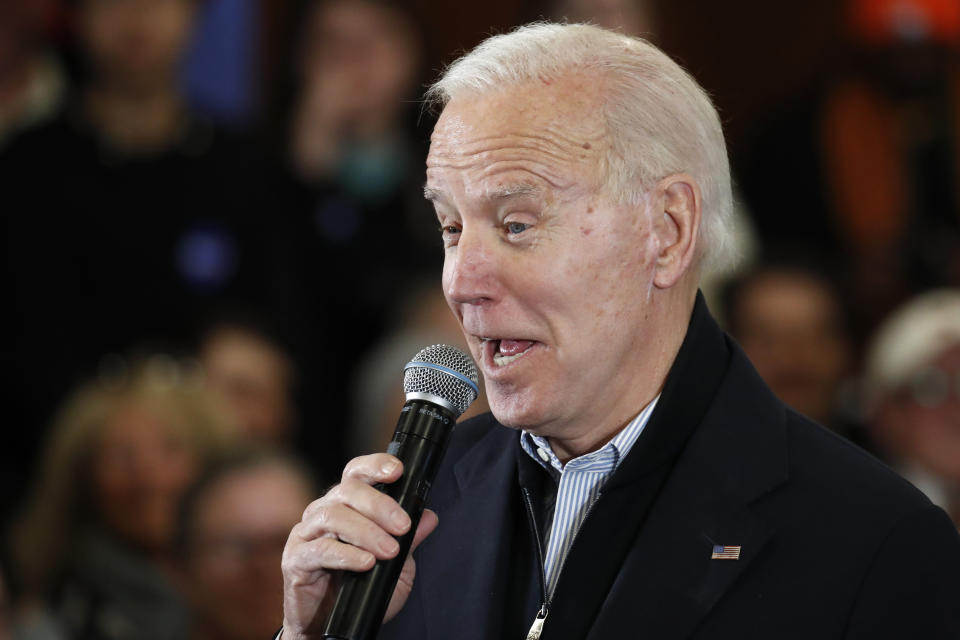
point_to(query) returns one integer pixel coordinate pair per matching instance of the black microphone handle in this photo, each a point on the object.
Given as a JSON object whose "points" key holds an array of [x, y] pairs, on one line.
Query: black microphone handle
{"points": [[419, 441]]}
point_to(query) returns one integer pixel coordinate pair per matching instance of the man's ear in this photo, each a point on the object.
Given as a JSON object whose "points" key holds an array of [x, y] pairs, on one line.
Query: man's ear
{"points": [[676, 222]]}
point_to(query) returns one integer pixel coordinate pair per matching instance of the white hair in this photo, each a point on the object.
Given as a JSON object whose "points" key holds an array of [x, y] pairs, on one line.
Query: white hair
{"points": [[915, 335], [659, 119]]}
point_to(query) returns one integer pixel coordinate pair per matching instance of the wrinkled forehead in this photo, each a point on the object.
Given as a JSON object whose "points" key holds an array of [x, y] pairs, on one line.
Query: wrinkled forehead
{"points": [[558, 122]]}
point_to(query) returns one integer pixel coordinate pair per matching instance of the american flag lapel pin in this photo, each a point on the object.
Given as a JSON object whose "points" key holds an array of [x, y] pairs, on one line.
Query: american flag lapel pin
{"points": [[725, 552]]}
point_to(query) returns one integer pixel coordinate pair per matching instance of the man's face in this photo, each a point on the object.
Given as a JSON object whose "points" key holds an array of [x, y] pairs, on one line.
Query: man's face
{"points": [[920, 422], [549, 279], [789, 326], [242, 522], [142, 466], [136, 43]]}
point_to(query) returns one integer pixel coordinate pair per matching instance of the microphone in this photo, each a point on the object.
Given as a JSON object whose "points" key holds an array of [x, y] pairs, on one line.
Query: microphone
{"points": [[440, 383]]}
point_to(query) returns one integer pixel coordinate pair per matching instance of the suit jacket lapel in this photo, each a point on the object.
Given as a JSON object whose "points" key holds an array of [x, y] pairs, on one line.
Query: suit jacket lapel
{"points": [[669, 581]]}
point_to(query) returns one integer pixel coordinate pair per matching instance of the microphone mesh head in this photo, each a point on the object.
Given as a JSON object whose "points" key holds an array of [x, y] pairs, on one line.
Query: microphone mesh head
{"points": [[442, 384]]}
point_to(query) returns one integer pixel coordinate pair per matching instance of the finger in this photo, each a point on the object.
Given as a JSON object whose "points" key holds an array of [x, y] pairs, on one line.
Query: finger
{"points": [[377, 467], [325, 554], [365, 500], [343, 522], [368, 502]]}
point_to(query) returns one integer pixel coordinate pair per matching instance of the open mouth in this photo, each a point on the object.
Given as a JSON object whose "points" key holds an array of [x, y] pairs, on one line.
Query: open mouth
{"points": [[503, 351]]}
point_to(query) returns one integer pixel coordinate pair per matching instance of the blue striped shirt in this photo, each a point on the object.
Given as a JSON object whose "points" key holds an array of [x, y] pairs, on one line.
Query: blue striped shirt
{"points": [[581, 480]]}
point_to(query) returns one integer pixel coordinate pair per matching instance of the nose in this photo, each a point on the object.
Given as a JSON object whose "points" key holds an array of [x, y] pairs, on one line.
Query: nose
{"points": [[469, 269]]}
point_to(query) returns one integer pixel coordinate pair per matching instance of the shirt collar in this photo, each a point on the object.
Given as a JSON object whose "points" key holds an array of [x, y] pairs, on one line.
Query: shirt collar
{"points": [[604, 460]]}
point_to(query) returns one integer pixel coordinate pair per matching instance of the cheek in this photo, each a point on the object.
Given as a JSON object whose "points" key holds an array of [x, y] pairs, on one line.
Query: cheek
{"points": [[182, 465], [447, 277], [445, 281], [171, 28], [217, 578], [603, 285], [112, 481]]}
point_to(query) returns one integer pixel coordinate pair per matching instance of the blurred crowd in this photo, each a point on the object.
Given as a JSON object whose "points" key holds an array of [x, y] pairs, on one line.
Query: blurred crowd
{"points": [[218, 259]]}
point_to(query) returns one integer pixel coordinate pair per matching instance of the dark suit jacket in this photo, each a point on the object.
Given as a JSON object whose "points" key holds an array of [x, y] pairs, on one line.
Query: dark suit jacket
{"points": [[833, 543]]}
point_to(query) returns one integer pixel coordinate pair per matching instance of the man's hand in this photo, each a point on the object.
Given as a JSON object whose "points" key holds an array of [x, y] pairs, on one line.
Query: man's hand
{"points": [[348, 529]]}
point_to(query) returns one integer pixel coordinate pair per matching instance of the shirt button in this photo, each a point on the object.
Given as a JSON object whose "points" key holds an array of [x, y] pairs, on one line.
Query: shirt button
{"points": [[543, 454]]}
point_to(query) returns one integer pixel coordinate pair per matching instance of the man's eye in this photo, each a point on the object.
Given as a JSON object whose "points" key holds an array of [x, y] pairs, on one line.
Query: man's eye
{"points": [[449, 234], [516, 227]]}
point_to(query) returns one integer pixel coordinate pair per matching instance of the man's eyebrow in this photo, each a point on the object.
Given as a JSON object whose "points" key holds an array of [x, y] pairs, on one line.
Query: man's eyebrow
{"points": [[511, 190], [497, 193]]}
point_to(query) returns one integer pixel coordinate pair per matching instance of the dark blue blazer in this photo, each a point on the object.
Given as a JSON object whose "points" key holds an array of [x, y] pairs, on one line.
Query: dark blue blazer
{"points": [[833, 544]]}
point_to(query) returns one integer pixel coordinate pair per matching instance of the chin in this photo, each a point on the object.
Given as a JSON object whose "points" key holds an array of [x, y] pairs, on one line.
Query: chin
{"points": [[515, 410]]}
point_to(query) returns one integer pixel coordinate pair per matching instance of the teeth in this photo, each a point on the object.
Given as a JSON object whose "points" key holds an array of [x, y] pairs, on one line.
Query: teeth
{"points": [[500, 360]]}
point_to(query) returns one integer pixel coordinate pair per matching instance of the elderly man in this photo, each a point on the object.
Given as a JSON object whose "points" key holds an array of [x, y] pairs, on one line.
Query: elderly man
{"points": [[636, 478]]}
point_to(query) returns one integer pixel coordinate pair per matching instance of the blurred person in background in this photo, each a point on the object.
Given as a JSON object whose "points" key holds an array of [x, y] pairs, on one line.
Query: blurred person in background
{"points": [[251, 379], [32, 82], [791, 323], [358, 65], [354, 148], [871, 161], [93, 553], [233, 525], [127, 217], [353, 145], [912, 384], [377, 394]]}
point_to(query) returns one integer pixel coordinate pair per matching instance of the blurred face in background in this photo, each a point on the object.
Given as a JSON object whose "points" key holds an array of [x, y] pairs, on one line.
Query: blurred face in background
{"points": [[135, 44], [363, 57], [141, 466], [250, 380], [920, 422], [240, 526], [789, 325]]}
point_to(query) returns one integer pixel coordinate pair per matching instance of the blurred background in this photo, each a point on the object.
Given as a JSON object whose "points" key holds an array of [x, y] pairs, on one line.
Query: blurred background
{"points": [[217, 260]]}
